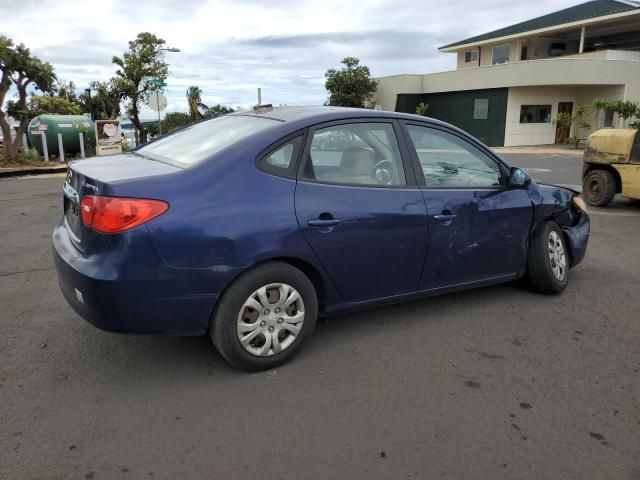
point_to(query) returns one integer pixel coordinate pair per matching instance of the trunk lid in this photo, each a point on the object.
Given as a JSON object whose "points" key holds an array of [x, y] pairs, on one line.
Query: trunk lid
{"points": [[97, 176]]}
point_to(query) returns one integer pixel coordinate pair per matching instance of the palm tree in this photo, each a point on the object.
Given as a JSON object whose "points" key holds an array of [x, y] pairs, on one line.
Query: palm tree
{"points": [[195, 102]]}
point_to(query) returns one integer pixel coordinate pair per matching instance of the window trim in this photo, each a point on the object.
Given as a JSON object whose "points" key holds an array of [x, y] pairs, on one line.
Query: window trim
{"points": [[422, 183], [409, 174], [493, 53], [537, 105], [290, 172], [471, 59]]}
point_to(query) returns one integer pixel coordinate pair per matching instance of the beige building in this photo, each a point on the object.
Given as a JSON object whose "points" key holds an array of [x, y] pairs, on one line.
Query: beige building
{"points": [[510, 83]]}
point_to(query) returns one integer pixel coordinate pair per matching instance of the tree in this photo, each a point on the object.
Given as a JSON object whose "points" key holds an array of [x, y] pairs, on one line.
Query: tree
{"points": [[106, 98], [153, 129], [217, 110], [142, 62], [68, 91], [626, 110], [600, 105], [195, 102], [422, 109], [48, 104], [351, 86], [19, 69], [175, 120]]}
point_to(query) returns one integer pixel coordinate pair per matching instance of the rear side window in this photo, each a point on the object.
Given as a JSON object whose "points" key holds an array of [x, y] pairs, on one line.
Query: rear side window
{"points": [[281, 161], [355, 154]]}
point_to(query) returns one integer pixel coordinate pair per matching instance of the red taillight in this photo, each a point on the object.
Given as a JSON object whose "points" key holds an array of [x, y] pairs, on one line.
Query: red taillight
{"points": [[116, 215]]}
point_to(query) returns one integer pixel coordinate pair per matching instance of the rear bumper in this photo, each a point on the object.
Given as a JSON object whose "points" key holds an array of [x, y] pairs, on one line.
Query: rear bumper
{"points": [[578, 237], [135, 292]]}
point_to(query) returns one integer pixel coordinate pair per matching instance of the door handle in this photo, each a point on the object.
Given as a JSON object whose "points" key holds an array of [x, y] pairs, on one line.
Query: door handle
{"points": [[445, 219], [324, 223]]}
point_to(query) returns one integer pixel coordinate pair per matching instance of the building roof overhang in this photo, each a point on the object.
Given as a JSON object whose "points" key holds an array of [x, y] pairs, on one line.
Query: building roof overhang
{"points": [[590, 13]]}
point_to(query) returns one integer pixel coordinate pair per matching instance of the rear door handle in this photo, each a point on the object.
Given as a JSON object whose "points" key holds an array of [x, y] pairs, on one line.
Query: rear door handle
{"points": [[445, 219], [323, 223]]}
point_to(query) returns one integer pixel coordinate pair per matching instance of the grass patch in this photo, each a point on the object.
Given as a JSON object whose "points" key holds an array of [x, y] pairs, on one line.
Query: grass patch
{"points": [[29, 158]]}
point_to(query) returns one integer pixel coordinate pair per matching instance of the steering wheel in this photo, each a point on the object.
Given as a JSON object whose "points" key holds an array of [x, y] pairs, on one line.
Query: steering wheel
{"points": [[383, 172]]}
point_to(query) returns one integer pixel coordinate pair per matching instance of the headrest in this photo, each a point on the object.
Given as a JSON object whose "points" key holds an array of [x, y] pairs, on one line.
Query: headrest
{"points": [[357, 161]]}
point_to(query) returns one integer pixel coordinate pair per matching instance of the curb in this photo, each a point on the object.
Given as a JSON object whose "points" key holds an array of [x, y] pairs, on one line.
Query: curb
{"points": [[537, 151], [32, 171]]}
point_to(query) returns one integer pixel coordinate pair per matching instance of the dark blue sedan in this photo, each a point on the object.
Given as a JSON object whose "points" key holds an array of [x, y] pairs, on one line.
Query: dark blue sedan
{"points": [[250, 226]]}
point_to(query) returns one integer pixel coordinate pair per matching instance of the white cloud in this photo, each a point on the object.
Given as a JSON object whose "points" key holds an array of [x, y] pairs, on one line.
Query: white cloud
{"points": [[229, 48]]}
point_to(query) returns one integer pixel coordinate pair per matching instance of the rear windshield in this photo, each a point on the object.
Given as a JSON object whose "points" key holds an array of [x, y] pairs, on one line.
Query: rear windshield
{"points": [[202, 140]]}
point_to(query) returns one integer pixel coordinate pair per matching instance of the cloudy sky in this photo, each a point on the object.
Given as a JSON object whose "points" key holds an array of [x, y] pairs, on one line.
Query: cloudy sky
{"points": [[230, 48]]}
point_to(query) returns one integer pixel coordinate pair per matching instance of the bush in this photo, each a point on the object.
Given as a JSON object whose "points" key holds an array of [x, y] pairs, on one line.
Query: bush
{"points": [[422, 109]]}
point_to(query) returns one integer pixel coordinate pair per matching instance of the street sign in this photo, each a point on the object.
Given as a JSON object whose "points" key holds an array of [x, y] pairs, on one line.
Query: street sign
{"points": [[158, 82], [157, 102]]}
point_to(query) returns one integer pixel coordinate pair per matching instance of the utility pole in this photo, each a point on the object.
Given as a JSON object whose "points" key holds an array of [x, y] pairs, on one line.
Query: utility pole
{"points": [[259, 96], [162, 84], [158, 103], [87, 91]]}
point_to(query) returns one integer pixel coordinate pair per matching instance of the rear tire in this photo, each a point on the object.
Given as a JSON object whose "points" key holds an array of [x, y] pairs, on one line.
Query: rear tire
{"points": [[266, 315], [548, 259], [599, 188]]}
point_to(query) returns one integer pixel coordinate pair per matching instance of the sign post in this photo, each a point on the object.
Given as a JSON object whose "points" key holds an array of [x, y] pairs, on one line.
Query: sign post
{"points": [[160, 103]]}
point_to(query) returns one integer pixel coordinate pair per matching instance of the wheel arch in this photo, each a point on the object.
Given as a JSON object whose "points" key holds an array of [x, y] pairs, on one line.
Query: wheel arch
{"points": [[556, 217], [590, 167], [312, 273]]}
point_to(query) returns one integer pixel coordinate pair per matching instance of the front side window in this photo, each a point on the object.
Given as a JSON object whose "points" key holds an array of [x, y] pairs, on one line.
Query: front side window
{"points": [[535, 114], [501, 54], [448, 161], [204, 139], [355, 154]]}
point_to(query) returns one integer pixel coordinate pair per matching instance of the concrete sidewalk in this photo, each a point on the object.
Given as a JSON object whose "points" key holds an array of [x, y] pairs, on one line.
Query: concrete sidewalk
{"points": [[541, 150]]}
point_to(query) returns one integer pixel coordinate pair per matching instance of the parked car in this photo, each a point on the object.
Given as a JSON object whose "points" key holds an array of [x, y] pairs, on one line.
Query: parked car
{"points": [[240, 228]]}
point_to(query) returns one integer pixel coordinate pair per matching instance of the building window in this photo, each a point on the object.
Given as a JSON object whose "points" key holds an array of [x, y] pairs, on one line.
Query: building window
{"points": [[535, 114], [471, 56], [608, 118], [480, 108], [501, 54], [524, 53], [557, 49]]}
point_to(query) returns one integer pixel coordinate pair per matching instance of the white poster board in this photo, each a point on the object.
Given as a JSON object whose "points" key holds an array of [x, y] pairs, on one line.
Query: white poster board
{"points": [[108, 137]]}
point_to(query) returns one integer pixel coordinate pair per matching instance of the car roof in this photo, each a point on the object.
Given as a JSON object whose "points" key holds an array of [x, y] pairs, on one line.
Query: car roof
{"points": [[317, 114]]}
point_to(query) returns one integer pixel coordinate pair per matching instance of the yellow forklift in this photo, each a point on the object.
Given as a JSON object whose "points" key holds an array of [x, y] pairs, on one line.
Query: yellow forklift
{"points": [[611, 165]]}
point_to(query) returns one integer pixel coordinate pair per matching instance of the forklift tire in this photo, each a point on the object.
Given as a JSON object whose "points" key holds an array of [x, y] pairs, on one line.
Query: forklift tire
{"points": [[599, 188]]}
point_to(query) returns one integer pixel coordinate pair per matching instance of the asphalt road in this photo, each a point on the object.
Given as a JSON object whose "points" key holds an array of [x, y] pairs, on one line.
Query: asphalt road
{"points": [[495, 383]]}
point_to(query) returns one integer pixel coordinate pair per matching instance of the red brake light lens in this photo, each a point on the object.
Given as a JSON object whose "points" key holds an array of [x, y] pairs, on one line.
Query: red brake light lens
{"points": [[117, 215]]}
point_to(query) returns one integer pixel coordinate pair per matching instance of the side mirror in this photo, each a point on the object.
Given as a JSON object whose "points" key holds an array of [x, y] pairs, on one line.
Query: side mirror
{"points": [[518, 178]]}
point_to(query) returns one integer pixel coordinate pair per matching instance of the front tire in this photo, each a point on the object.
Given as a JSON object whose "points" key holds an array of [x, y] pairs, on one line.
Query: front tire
{"points": [[263, 319], [599, 188], [548, 260]]}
